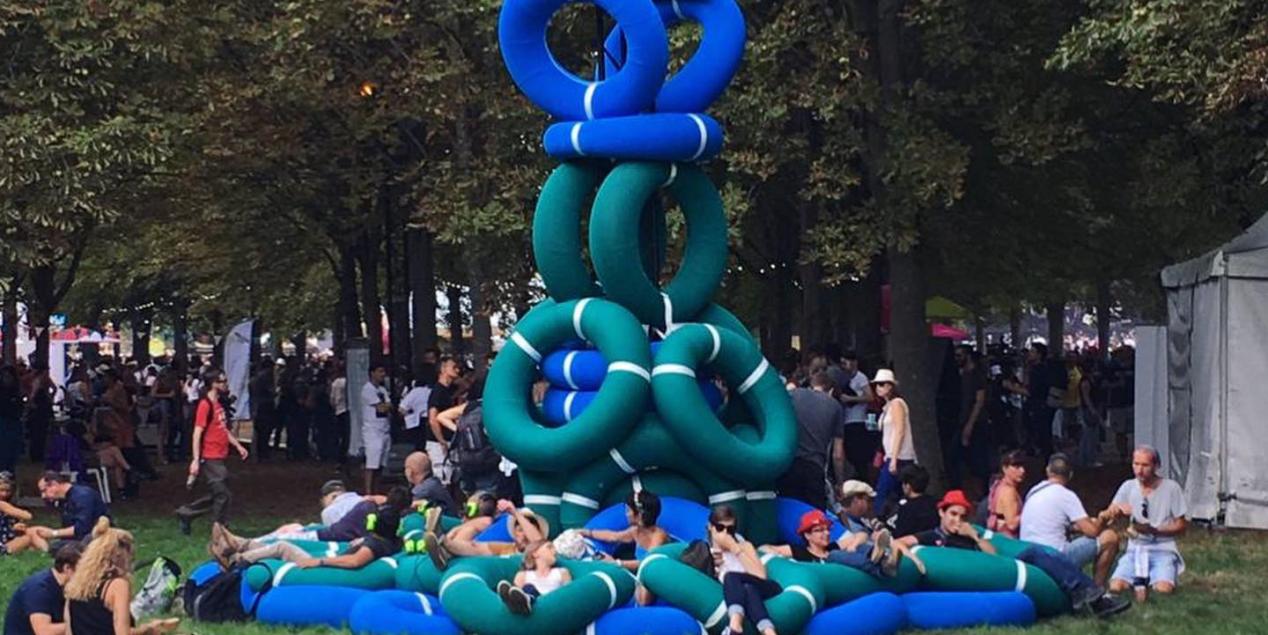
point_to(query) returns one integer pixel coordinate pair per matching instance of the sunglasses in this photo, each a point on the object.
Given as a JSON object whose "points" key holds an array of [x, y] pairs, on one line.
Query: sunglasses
{"points": [[1144, 509], [725, 529], [817, 529]]}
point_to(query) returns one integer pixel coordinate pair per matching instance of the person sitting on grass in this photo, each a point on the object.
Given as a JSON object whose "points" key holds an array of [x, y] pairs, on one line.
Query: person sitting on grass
{"points": [[37, 607], [539, 576], [99, 593], [526, 528], [1051, 509], [875, 560], [380, 542], [82, 508], [13, 519], [1158, 517], [955, 531]]}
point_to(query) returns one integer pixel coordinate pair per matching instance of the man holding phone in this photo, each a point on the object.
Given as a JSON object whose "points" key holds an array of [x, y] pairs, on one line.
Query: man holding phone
{"points": [[1158, 517]]}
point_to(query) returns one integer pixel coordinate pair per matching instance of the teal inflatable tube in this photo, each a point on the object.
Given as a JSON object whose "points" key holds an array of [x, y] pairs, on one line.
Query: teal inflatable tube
{"points": [[622, 398], [467, 593], [948, 569], [561, 406], [380, 574], [542, 492], [417, 573], [557, 247], [576, 368], [698, 430], [613, 246], [400, 613], [663, 482]]}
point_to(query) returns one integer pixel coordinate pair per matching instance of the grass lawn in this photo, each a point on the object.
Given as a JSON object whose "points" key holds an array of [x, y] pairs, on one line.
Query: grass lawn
{"points": [[1220, 592]]}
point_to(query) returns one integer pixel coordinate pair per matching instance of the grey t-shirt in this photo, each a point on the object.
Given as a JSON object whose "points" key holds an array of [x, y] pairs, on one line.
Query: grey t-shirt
{"points": [[435, 493], [1163, 505], [819, 419]]}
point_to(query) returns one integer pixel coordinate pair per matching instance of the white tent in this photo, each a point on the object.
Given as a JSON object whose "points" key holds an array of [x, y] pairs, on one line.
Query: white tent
{"points": [[1217, 369]]}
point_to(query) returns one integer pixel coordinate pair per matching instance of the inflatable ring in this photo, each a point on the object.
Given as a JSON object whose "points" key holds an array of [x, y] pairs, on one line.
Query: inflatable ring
{"points": [[697, 429], [1009, 547], [653, 137], [949, 569], [613, 246], [645, 620], [303, 606], [841, 583], [683, 586], [622, 398], [467, 595], [400, 613], [522, 29], [556, 244], [380, 574], [703, 78], [951, 610], [417, 573], [561, 406], [663, 482], [578, 369], [874, 614]]}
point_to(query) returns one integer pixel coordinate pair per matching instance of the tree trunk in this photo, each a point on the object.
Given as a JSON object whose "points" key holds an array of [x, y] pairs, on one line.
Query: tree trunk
{"points": [[779, 284], [811, 328], [979, 325], [348, 308], [457, 345], [371, 306], [481, 329], [909, 341], [1014, 328], [9, 317], [866, 311], [180, 337], [141, 322], [422, 284], [299, 340], [44, 302], [1103, 301], [1056, 328]]}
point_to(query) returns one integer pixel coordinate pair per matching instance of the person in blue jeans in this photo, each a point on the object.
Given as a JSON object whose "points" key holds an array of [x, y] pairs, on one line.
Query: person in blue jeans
{"points": [[874, 554]]}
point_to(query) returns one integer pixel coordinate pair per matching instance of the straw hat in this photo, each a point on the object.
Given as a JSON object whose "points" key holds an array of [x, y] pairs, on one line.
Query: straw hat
{"points": [[884, 376]]}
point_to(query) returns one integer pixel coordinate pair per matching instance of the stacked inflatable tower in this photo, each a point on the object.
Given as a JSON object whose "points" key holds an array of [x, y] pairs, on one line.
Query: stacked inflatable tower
{"points": [[631, 364]]}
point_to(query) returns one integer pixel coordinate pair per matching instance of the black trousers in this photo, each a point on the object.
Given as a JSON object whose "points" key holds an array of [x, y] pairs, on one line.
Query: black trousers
{"points": [[215, 476], [805, 482], [860, 449]]}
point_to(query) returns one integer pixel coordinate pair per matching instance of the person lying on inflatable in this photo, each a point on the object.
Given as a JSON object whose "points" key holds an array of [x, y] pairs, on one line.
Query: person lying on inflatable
{"points": [[956, 532], [526, 528], [538, 576], [642, 510], [378, 540], [342, 516], [851, 549]]}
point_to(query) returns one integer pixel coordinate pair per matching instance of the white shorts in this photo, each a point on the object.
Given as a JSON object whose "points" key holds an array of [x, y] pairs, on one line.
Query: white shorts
{"points": [[439, 462], [377, 442]]}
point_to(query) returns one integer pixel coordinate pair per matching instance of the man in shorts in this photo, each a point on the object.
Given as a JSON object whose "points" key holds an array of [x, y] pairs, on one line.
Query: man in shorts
{"points": [[1158, 517], [1051, 510], [526, 528], [376, 425]]}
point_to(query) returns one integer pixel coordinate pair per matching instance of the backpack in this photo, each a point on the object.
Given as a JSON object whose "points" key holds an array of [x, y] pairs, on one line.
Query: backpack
{"points": [[156, 594], [474, 455], [220, 598], [698, 556]]}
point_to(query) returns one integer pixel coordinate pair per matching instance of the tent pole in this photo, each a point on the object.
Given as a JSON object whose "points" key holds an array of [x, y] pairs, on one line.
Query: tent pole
{"points": [[1222, 492]]}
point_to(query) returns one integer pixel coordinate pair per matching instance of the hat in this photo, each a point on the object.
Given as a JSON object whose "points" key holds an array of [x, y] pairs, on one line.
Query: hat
{"points": [[884, 376], [542, 523], [330, 487], [955, 498], [281, 361], [854, 488], [811, 519]]}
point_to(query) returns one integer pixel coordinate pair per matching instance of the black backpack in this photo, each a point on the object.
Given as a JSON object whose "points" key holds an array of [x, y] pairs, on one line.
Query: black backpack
{"points": [[220, 598], [474, 454]]}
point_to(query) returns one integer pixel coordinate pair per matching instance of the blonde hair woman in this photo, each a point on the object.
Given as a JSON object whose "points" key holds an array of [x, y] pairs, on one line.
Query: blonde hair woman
{"points": [[100, 591]]}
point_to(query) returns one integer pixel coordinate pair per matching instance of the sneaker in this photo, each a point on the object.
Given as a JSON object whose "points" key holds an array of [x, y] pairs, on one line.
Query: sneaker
{"points": [[890, 566], [882, 544], [504, 591], [1082, 600], [439, 555], [1109, 605], [185, 524], [432, 520], [518, 601]]}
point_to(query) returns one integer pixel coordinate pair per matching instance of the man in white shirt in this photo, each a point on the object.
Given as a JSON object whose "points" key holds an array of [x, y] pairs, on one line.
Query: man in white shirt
{"points": [[376, 425], [855, 393], [1051, 510], [1159, 516], [414, 409]]}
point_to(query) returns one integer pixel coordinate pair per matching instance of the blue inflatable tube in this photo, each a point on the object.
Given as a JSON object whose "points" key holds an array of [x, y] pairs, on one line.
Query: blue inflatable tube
{"points": [[522, 29], [788, 512], [682, 519], [577, 367], [562, 406], [703, 78], [400, 613], [949, 609], [653, 137], [873, 614], [649, 620], [308, 606]]}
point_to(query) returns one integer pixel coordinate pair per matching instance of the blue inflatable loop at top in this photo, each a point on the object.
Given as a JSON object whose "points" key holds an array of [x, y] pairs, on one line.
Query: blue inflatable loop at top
{"points": [[522, 29], [654, 137], [788, 512], [561, 406], [703, 78], [578, 367]]}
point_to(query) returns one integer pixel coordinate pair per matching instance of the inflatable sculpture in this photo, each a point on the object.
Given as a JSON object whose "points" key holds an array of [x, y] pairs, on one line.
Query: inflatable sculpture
{"points": [[632, 364]]}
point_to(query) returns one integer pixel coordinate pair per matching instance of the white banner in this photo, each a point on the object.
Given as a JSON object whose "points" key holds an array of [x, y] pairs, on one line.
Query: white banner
{"points": [[357, 369], [238, 367]]}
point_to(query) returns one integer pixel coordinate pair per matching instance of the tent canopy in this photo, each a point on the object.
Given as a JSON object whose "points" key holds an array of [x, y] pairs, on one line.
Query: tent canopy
{"points": [[1216, 362]]}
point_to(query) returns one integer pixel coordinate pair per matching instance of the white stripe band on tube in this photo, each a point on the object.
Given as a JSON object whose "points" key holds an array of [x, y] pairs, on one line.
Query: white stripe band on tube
{"points": [[987, 534], [281, 573], [678, 10], [454, 578], [574, 135], [704, 135], [717, 343], [572, 396], [568, 360], [673, 369], [526, 347], [716, 616], [754, 376], [621, 462], [761, 495], [590, 99], [426, 603], [1021, 576], [668, 303], [805, 593], [767, 557], [611, 587], [636, 483], [648, 560], [733, 495], [576, 316], [590, 629], [629, 367], [541, 499], [332, 548], [391, 562], [673, 167], [578, 499]]}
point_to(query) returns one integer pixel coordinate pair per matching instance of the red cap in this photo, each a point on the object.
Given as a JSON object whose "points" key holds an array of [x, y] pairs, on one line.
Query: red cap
{"points": [[811, 519], [953, 498]]}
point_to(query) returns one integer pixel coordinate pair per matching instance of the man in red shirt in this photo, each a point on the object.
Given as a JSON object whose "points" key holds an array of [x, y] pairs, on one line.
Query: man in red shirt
{"points": [[210, 450]]}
